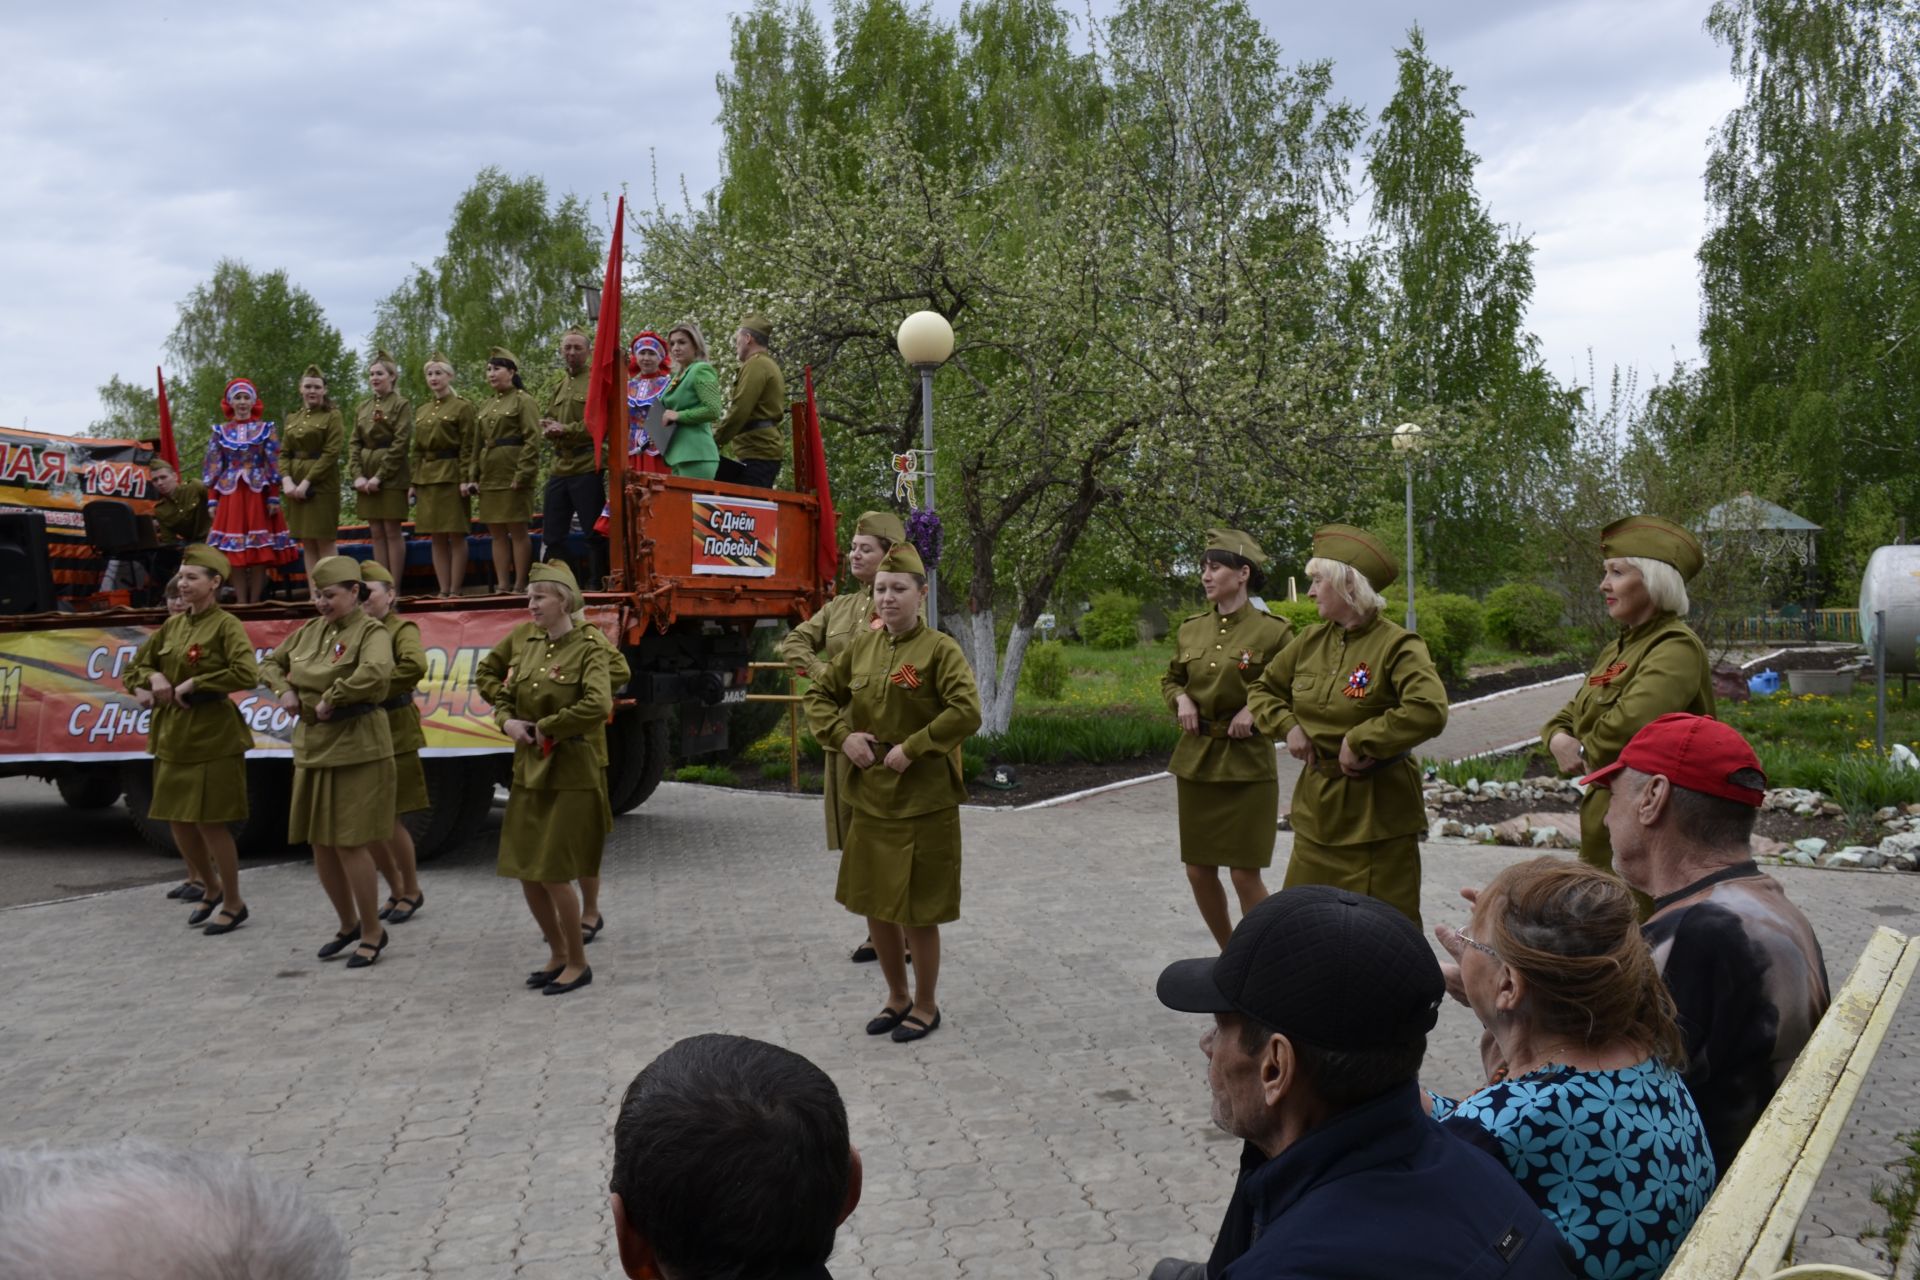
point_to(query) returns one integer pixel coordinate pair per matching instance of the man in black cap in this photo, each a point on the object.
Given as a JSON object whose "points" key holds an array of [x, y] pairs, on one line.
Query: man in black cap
{"points": [[1321, 1003]]}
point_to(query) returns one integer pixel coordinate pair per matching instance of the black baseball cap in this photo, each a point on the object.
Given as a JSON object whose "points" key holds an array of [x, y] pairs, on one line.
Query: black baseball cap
{"points": [[1329, 967]]}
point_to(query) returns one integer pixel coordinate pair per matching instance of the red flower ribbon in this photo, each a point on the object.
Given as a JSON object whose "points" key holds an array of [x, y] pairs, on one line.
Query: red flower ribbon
{"points": [[339, 651], [193, 655], [1608, 676], [906, 677], [1246, 656]]}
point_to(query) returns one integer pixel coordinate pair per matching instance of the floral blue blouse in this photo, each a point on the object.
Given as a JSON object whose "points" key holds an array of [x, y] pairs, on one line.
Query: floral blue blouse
{"points": [[1617, 1160]]}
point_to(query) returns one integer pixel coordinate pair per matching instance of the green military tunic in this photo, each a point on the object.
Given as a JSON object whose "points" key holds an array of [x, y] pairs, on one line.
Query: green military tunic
{"points": [[311, 441], [1229, 788], [445, 435], [343, 777], [694, 394], [506, 459], [557, 816], [1652, 669], [183, 515], [382, 428], [567, 405], [403, 714], [813, 645], [759, 398], [1376, 687], [199, 750], [901, 855]]}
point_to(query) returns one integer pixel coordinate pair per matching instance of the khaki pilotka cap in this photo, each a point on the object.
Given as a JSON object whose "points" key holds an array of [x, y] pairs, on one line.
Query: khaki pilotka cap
{"points": [[1358, 548], [1236, 543], [202, 556], [501, 353], [903, 558], [1656, 538], [374, 571], [881, 524], [756, 324], [334, 570]]}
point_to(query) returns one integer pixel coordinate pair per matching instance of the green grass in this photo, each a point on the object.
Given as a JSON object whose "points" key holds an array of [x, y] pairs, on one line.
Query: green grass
{"points": [[1508, 768], [1487, 654], [1901, 1201], [1108, 680], [1089, 739], [1803, 739], [712, 774]]}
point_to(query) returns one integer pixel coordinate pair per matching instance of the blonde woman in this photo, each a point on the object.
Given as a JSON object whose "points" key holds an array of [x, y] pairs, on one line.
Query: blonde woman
{"points": [[395, 854], [445, 431], [382, 429], [311, 443], [691, 404]]}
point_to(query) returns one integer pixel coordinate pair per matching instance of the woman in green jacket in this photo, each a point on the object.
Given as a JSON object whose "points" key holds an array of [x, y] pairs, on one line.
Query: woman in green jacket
{"points": [[505, 461], [691, 404], [184, 672], [310, 443], [395, 854]]}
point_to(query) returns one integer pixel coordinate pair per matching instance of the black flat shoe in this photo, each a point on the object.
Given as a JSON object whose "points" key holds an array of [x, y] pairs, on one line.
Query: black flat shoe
{"points": [[588, 932], [404, 909], [187, 891], [361, 959], [911, 1029], [203, 912], [541, 977], [227, 922], [887, 1020], [864, 953], [561, 988], [387, 911], [341, 941]]}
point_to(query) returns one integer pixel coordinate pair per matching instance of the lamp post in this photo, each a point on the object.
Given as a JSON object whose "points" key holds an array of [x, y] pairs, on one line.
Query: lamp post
{"points": [[925, 340], [1407, 443], [590, 295]]}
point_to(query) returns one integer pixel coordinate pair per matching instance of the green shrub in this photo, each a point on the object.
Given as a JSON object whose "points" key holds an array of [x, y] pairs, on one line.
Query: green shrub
{"points": [[1451, 626], [1863, 782], [1097, 739], [713, 775], [1525, 616], [1302, 613], [1508, 768], [1112, 623], [1044, 672]]}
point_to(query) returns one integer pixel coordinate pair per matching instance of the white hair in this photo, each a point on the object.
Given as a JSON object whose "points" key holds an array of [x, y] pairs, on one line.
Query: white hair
{"points": [[1665, 587], [135, 1209], [1349, 584], [576, 604]]}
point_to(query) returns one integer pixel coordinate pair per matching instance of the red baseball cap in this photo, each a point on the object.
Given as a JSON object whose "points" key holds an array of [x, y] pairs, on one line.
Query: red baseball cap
{"points": [[1695, 752]]}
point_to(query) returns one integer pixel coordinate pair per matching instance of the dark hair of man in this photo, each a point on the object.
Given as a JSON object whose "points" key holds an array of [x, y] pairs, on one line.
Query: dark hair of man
{"points": [[731, 1157], [1256, 580], [1714, 822], [1344, 1078]]}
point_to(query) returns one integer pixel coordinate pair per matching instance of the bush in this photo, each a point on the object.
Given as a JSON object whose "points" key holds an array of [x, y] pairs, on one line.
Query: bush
{"points": [[1524, 616], [1113, 622], [1451, 626], [1492, 768], [1864, 782], [1102, 739], [1044, 673], [712, 775], [1302, 613]]}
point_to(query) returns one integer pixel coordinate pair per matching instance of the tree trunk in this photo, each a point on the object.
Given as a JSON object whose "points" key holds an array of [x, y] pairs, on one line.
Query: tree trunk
{"points": [[976, 641], [997, 714]]}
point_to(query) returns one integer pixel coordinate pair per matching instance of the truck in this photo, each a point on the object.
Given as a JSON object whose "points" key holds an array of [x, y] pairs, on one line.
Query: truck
{"points": [[696, 566]]}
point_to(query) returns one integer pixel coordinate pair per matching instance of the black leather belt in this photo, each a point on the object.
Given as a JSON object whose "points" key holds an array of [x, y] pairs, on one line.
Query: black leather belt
{"points": [[442, 455], [397, 701], [349, 711], [569, 446], [199, 699], [302, 457], [761, 424], [504, 441]]}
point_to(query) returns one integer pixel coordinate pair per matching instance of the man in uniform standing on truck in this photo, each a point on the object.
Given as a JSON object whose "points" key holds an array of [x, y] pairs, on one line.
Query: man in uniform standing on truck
{"points": [[750, 439], [574, 487]]}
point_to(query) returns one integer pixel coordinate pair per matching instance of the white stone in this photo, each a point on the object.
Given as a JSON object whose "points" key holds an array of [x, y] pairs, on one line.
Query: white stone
{"points": [[1445, 828], [1473, 784], [1548, 838], [1798, 859], [1804, 809], [1901, 860], [1886, 814], [1906, 843], [1481, 832], [1812, 845], [1856, 856]]}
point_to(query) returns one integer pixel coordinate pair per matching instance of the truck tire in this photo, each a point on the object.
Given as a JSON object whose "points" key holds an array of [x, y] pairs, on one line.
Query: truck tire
{"points": [[269, 791], [90, 786], [636, 760], [461, 791]]}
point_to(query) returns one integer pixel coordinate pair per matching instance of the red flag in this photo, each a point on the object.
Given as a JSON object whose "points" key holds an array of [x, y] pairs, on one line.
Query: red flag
{"points": [[607, 390], [167, 448], [827, 539]]}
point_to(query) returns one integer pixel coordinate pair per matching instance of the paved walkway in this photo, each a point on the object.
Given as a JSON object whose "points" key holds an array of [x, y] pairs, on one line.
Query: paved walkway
{"points": [[457, 1125]]}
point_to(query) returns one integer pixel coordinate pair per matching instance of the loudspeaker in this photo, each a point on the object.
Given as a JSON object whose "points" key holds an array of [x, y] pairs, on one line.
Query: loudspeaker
{"points": [[112, 527], [26, 574]]}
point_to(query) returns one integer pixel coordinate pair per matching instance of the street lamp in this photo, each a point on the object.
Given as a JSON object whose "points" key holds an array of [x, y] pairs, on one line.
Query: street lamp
{"points": [[925, 340], [1407, 443], [590, 295]]}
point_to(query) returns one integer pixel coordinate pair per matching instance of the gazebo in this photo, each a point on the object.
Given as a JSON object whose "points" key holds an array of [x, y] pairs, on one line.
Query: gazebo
{"points": [[1780, 537]]}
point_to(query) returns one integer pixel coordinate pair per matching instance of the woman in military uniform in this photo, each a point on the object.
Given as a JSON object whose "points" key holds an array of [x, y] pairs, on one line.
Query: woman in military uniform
{"points": [[310, 470], [1353, 697], [1227, 777], [382, 430], [809, 647], [194, 887], [395, 855], [1657, 664], [333, 673], [444, 433], [505, 461], [184, 671], [898, 703], [551, 685], [691, 404]]}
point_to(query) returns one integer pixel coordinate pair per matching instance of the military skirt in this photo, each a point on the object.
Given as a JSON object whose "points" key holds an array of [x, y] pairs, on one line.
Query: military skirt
{"points": [[833, 790], [906, 870], [208, 791], [1386, 869], [553, 836], [441, 508], [1228, 824], [317, 517], [390, 503], [506, 506], [409, 783], [343, 806]]}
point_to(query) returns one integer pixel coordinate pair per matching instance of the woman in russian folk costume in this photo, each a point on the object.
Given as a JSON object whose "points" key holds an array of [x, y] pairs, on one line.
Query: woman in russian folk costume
{"points": [[242, 471], [651, 368], [394, 855]]}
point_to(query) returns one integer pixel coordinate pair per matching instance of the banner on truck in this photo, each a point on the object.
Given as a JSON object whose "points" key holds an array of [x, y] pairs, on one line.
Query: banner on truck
{"points": [[735, 537], [63, 473]]}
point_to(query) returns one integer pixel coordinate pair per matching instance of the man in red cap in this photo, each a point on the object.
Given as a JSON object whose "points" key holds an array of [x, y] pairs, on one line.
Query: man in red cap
{"points": [[1742, 962]]}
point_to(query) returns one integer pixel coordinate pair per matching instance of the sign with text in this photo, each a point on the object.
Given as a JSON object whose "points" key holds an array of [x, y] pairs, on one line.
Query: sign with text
{"points": [[735, 537], [63, 473]]}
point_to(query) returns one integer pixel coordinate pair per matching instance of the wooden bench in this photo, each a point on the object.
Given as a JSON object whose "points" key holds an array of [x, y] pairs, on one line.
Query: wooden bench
{"points": [[1748, 1226]]}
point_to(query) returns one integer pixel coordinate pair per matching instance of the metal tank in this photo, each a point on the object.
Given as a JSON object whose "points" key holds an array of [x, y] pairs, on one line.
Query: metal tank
{"points": [[1891, 585]]}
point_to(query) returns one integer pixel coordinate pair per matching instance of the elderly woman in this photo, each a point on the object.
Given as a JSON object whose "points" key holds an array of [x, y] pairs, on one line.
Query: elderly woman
{"points": [[444, 431], [1226, 775], [382, 430], [242, 471], [505, 462], [310, 470], [1656, 666], [692, 403], [898, 702], [551, 685], [333, 673], [394, 855], [1584, 1102], [184, 672], [1352, 698]]}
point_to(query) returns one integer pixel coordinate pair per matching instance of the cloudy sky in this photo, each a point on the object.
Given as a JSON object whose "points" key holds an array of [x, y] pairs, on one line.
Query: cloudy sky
{"points": [[141, 142]]}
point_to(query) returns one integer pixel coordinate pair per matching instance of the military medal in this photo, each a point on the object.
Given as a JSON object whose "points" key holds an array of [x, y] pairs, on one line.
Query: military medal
{"points": [[1246, 656], [553, 672], [1358, 682], [1608, 676], [193, 655], [906, 677], [339, 651]]}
